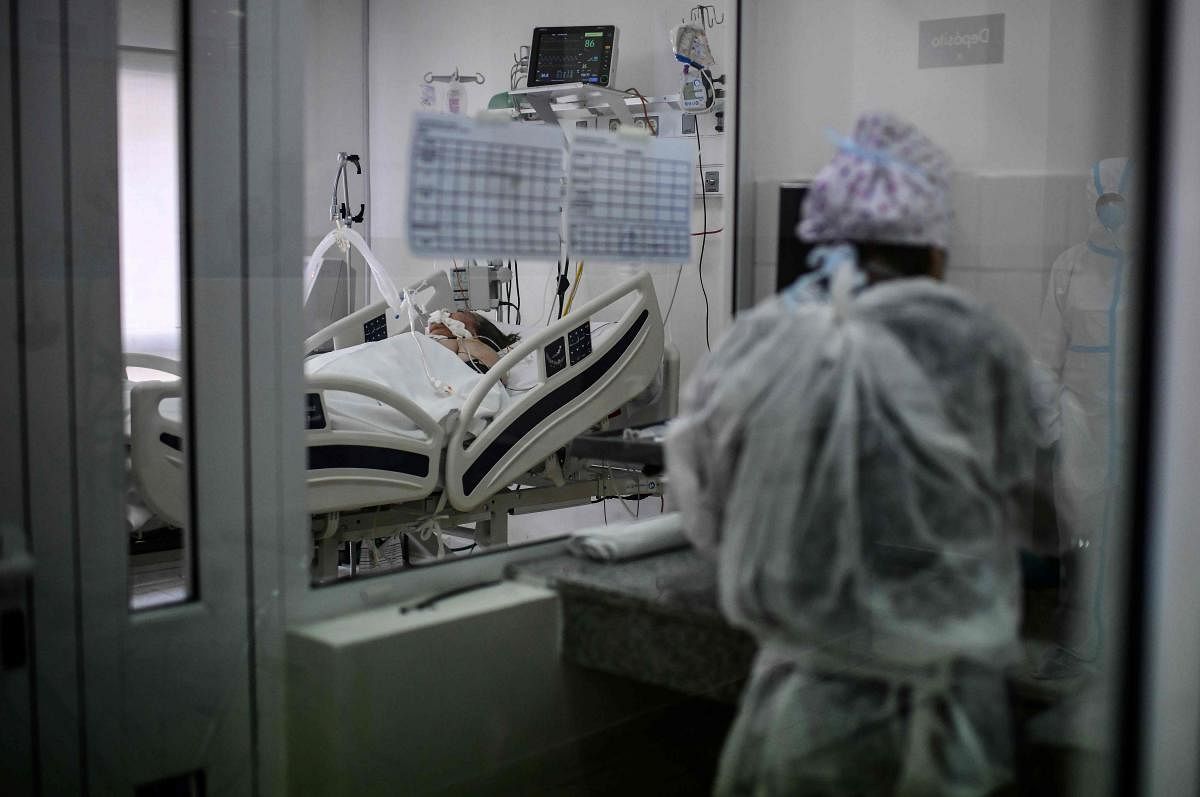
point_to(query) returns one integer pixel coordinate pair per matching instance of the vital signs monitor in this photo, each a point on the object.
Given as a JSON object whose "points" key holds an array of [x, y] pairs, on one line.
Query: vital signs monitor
{"points": [[584, 54]]}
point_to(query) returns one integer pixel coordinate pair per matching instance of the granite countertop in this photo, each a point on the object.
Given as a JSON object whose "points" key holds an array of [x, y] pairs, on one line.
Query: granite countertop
{"points": [[653, 619]]}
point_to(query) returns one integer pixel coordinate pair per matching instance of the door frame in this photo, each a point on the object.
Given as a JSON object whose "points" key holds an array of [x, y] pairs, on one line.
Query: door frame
{"points": [[1162, 685], [17, 749], [127, 698]]}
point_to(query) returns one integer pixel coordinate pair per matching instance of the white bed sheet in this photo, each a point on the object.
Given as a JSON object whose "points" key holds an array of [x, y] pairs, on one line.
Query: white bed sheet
{"points": [[396, 363]]}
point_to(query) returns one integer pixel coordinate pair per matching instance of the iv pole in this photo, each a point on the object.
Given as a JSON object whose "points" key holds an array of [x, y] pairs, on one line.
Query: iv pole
{"points": [[339, 212]]}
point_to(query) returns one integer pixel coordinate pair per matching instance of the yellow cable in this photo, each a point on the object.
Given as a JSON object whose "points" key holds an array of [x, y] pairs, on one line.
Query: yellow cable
{"points": [[575, 287]]}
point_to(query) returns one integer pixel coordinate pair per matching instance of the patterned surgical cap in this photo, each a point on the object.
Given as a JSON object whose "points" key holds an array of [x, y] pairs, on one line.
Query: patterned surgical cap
{"points": [[888, 184]]}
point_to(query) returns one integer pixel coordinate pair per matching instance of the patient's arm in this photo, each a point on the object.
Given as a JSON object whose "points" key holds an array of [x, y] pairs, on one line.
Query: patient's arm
{"points": [[478, 350], [470, 349]]}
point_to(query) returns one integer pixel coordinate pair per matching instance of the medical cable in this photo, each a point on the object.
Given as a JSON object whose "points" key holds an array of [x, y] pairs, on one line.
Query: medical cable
{"points": [[438, 385], [514, 307], [516, 269], [575, 287], [563, 282], [674, 291], [645, 113], [333, 297], [703, 238], [450, 593], [431, 527]]}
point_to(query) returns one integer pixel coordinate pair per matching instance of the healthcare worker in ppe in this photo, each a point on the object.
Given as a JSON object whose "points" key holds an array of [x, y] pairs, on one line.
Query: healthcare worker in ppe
{"points": [[845, 455], [1081, 343]]}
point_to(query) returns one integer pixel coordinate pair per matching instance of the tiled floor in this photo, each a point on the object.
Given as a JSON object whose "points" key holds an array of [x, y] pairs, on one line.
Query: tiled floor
{"points": [[156, 579]]}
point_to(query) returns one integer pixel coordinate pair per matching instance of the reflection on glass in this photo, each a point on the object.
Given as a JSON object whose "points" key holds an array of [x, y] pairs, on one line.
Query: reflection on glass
{"points": [[928, 624], [1082, 347], [149, 158]]}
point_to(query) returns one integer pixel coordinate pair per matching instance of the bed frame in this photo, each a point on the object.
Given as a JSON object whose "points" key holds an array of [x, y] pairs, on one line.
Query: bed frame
{"points": [[351, 470]]}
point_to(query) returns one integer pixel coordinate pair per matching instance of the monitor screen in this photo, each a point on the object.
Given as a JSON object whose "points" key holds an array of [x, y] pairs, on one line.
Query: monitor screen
{"points": [[573, 55]]}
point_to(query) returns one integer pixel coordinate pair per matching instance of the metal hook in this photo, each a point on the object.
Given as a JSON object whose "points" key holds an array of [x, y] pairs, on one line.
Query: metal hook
{"points": [[340, 208], [455, 77], [706, 15]]}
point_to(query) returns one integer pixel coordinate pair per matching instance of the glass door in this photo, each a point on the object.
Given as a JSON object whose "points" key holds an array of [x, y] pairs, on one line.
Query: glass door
{"points": [[134, 251], [1045, 118]]}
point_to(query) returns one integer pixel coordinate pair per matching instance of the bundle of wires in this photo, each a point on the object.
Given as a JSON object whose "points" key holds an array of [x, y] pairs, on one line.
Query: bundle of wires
{"points": [[703, 235], [520, 67], [508, 303]]}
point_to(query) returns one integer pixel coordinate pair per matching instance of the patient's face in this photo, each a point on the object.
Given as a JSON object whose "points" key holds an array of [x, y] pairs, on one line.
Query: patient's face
{"points": [[466, 318]]}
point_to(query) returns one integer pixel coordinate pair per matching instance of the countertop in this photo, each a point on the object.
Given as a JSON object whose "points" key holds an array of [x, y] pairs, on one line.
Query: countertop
{"points": [[653, 619]]}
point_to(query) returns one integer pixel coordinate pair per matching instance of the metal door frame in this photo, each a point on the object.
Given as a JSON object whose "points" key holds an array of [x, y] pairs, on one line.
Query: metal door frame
{"points": [[1162, 700], [17, 749], [127, 698]]}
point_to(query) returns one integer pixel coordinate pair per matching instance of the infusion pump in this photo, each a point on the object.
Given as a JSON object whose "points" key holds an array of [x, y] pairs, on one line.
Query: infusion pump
{"points": [[478, 287]]}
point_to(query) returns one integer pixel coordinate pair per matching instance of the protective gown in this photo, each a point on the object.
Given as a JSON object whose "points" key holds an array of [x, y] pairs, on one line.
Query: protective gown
{"points": [[846, 464], [1081, 345]]}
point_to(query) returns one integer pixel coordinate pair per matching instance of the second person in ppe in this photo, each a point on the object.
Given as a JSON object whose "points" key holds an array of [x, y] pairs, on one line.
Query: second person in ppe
{"points": [[1081, 348]]}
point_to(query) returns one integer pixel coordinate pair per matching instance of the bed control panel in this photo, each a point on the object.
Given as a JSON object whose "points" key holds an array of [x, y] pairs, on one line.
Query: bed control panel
{"points": [[579, 342], [314, 411], [376, 328], [554, 357]]}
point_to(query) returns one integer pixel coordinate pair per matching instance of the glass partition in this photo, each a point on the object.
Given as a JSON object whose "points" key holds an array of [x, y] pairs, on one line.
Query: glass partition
{"points": [[1027, 120]]}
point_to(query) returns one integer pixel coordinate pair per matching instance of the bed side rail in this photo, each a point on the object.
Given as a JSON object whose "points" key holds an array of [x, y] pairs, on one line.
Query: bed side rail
{"points": [[432, 291], [547, 417], [154, 362], [351, 469], [345, 469], [156, 450]]}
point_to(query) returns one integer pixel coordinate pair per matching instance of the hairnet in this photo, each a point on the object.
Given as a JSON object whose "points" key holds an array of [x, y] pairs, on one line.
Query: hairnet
{"points": [[848, 471], [1108, 178], [888, 184]]}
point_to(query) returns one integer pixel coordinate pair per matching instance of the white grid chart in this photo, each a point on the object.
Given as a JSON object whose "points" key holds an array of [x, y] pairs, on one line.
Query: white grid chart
{"points": [[476, 190], [629, 202]]}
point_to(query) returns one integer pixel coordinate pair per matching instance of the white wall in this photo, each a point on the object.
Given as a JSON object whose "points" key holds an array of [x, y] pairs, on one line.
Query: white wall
{"points": [[335, 108], [335, 120], [1022, 134]]}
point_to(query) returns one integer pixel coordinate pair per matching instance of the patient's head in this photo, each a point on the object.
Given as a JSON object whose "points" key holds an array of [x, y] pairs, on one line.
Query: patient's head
{"points": [[477, 326]]}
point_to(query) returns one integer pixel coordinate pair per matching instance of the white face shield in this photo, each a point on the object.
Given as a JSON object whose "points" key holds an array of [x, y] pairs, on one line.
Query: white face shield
{"points": [[457, 328]]}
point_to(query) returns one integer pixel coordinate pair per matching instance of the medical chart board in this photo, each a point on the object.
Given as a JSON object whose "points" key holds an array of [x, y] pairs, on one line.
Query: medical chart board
{"points": [[629, 198], [484, 189]]}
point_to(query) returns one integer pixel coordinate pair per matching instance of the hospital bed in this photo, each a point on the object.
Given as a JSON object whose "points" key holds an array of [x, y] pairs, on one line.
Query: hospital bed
{"points": [[470, 468]]}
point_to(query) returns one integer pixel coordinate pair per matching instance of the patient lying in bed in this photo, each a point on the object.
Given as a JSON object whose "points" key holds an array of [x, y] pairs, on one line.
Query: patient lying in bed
{"points": [[476, 340], [437, 370]]}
